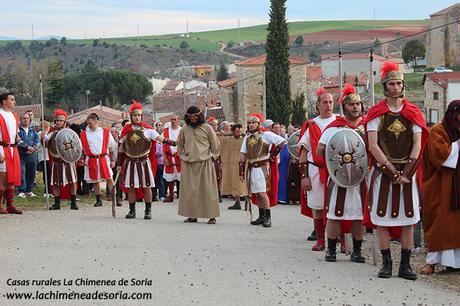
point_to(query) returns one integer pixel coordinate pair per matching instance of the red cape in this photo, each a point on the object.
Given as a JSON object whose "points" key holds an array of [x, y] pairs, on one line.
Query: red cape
{"points": [[410, 112]]}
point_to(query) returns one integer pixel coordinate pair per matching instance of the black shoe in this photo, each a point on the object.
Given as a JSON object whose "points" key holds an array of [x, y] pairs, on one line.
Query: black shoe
{"points": [[356, 254], [268, 218], [312, 236], [236, 206], [119, 202], [331, 250], [386, 271], [405, 270], [220, 197], [73, 202], [132, 211], [98, 201], [148, 211], [57, 204], [261, 218]]}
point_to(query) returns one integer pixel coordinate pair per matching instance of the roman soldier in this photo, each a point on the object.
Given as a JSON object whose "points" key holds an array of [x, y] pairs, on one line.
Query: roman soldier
{"points": [[10, 164], [212, 121], [256, 151], [171, 158], [396, 133], [98, 158], [312, 167], [133, 159], [345, 204], [62, 173]]}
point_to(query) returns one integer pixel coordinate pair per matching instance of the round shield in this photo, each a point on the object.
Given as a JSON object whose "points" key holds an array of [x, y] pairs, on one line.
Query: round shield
{"points": [[346, 158], [68, 145], [292, 144]]}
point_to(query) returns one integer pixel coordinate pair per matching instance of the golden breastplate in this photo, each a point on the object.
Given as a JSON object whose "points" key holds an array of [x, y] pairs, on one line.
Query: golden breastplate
{"points": [[136, 144]]}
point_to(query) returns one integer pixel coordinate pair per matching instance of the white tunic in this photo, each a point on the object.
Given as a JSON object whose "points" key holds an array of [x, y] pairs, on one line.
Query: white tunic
{"points": [[402, 219], [10, 121], [72, 168], [175, 176], [451, 257], [150, 134], [315, 197], [353, 204], [257, 182], [95, 140]]}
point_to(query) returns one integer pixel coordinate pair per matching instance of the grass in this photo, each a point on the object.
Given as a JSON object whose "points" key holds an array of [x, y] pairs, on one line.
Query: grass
{"points": [[208, 40]]}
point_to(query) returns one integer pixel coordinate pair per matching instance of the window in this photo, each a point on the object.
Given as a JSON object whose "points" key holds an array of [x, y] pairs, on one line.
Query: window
{"points": [[435, 95], [434, 115]]}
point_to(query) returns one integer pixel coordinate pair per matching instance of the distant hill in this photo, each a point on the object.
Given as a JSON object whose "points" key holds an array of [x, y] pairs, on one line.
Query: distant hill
{"points": [[7, 38]]}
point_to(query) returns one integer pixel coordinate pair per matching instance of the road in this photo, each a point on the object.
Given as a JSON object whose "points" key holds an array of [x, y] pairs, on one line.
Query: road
{"points": [[230, 263]]}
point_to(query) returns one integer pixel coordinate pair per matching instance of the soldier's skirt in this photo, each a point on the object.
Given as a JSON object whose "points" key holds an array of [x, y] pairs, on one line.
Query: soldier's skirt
{"points": [[315, 197], [138, 174], [63, 173], [352, 210]]}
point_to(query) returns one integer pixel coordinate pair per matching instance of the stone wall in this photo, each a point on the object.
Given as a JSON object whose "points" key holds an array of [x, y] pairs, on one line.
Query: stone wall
{"points": [[433, 105]]}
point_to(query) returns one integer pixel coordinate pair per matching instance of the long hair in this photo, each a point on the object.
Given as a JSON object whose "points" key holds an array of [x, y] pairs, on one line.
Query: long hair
{"points": [[450, 121], [193, 110]]}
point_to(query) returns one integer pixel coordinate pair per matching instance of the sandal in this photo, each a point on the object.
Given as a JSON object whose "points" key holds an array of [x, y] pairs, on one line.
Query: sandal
{"points": [[212, 221], [428, 269], [191, 220]]}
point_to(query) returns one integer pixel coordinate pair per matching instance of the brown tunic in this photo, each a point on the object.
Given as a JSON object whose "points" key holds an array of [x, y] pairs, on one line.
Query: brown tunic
{"points": [[441, 223], [230, 156]]}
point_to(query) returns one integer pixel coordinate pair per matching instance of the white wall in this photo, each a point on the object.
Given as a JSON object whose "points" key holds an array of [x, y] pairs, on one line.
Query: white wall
{"points": [[158, 84], [453, 92]]}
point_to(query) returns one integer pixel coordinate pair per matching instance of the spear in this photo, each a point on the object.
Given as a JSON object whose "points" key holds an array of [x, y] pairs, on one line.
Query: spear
{"points": [[45, 170]]}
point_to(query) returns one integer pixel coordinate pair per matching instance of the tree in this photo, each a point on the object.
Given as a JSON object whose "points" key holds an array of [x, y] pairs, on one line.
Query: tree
{"points": [[313, 56], [412, 50], [299, 41], [230, 44], [52, 42], [95, 42], [64, 41], [184, 45], [222, 74], [277, 78], [298, 110], [90, 67]]}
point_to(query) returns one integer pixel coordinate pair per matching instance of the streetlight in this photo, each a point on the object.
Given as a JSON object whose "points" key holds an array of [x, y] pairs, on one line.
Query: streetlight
{"points": [[87, 98]]}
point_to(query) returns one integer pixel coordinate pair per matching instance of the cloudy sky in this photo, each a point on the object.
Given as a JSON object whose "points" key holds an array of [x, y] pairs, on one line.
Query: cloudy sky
{"points": [[113, 18]]}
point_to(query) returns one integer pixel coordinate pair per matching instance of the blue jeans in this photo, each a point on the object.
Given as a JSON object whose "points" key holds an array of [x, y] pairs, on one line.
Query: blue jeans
{"points": [[160, 182], [28, 169]]}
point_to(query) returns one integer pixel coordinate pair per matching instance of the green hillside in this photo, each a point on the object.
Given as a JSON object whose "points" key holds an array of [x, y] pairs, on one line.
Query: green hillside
{"points": [[208, 41]]}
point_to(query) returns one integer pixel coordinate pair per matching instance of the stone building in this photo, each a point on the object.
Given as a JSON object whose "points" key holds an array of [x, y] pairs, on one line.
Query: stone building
{"points": [[246, 94], [443, 44], [440, 90]]}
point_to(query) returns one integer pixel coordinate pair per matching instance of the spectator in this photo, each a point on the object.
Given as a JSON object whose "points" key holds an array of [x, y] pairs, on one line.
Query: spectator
{"points": [[28, 147], [33, 125], [43, 158], [160, 182]]}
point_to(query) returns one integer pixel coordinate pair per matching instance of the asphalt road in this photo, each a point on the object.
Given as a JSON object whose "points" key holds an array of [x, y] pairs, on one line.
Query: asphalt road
{"points": [[230, 263]]}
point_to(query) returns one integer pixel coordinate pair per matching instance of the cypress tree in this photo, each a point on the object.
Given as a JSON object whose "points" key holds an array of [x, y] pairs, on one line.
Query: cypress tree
{"points": [[277, 78]]}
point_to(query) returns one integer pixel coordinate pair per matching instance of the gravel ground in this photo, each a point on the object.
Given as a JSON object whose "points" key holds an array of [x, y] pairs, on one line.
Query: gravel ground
{"points": [[230, 263]]}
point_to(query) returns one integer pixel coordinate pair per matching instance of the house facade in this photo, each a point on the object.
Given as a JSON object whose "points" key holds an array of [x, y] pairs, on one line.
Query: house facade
{"points": [[440, 90]]}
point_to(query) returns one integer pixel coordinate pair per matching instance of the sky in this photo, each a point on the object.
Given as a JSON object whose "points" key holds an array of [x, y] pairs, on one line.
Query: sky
{"points": [[115, 18]]}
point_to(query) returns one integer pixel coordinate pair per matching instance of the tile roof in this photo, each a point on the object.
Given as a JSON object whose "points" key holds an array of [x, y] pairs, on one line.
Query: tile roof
{"points": [[36, 109], [314, 73], [179, 103], [260, 60], [107, 115], [446, 10], [227, 83], [171, 85], [332, 82], [442, 79]]}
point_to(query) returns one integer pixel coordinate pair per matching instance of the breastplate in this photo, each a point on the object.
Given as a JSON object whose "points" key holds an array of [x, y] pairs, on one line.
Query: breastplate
{"points": [[52, 149], [136, 144], [257, 150], [395, 138]]}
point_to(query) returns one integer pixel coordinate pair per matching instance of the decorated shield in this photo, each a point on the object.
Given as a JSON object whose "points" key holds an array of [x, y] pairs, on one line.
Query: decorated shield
{"points": [[68, 145], [292, 144], [346, 158]]}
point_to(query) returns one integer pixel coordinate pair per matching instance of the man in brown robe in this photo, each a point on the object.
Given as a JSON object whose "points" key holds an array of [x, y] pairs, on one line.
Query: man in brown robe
{"points": [[197, 145], [230, 156], [441, 192]]}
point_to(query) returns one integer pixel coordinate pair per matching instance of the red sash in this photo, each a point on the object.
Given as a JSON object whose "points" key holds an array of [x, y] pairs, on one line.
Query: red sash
{"points": [[169, 156], [92, 158], [13, 162]]}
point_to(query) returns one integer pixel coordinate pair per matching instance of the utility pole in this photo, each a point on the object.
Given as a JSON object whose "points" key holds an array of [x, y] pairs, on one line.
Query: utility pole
{"points": [[239, 32], [186, 29], [33, 34], [137, 27]]}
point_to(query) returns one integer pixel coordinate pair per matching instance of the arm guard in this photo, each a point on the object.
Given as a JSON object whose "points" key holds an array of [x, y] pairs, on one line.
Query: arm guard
{"points": [[120, 159], [303, 169], [410, 168], [276, 151], [169, 142], [389, 170], [241, 168]]}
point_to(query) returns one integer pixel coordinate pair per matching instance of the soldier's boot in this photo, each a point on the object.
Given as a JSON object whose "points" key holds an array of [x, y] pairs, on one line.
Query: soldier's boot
{"points": [[405, 270], [57, 204], [331, 251], [356, 254], [236, 206], [98, 201], [148, 211], [319, 228], [268, 218], [386, 270], [132, 211], [261, 218], [73, 202]]}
